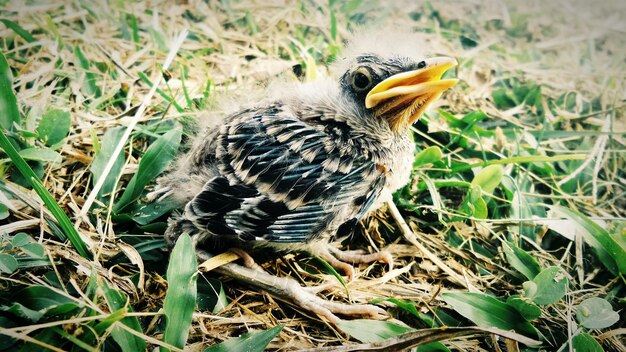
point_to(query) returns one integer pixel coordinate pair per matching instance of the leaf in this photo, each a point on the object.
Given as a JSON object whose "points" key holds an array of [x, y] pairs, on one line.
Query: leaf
{"points": [[251, 342], [180, 300], [127, 341], [8, 103], [521, 261], [34, 250], [427, 156], [109, 141], [90, 79], [367, 331], [40, 154], [18, 30], [586, 343], [4, 211], [486, 311], [154, 161], [54, 126], [549, 286], [596, 313], [488, 178], [21, 239], [8, 264], [610, 253], [146, 213], [19, 310], [528, 310], [42, 297]]}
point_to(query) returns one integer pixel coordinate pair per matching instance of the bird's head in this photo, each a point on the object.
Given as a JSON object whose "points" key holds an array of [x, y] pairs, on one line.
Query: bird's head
{"points": [[395, 88]]}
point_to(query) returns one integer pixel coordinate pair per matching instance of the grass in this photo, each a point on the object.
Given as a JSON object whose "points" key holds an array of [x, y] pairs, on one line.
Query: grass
{"points": [[513, 220]]}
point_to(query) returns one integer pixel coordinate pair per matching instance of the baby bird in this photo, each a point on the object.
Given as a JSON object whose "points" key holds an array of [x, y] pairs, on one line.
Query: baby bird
{"points": [[302, 168]]}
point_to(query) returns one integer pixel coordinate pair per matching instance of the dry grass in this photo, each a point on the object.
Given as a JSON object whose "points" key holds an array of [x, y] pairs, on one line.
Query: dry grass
{"points": [[576, 47]]}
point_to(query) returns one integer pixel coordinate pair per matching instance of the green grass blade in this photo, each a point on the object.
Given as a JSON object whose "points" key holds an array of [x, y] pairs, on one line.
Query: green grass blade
{"points": [[180, 300], [10, 113], [18, 30], [60, 216], [89, 75], [251, 342], [154, 161], [164, 95], [609, 251], [521, 159], [126, 340]]}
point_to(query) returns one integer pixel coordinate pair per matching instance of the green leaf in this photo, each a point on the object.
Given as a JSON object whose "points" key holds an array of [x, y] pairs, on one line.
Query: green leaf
{"points": [[586, 343], [521, 261], [90, 78], [596, 313], [251, 342], [8, 264], [486, 311], [610, 253], [19, 310], [146, 213], [8, 104], [154, 161], [127, 341], [367, 331], [180, 300], [109, 141], [54, 126], [528, 310], [427, 156], [488, 178], [18, 30], [549, 286], [4, 211], [21, 239], [34, 250], [40, 154], [42, 297]]}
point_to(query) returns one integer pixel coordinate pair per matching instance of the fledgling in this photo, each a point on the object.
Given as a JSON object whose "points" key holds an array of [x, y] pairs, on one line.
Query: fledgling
{"points": [[301, 168]]}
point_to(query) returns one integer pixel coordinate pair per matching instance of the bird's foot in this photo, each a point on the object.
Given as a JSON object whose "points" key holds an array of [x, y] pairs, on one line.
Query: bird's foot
{"points": [[288, 289], [343, 260]]}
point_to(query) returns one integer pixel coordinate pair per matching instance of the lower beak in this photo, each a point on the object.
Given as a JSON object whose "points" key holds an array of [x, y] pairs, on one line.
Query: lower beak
{"points": [[403, 97]]}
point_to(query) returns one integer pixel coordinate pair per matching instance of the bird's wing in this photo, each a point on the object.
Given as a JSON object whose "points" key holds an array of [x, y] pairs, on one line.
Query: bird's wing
{"points": [[284, 180]]}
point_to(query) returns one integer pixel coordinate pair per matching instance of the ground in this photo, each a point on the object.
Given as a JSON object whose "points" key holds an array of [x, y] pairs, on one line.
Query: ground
{"points": [[515, 209]]}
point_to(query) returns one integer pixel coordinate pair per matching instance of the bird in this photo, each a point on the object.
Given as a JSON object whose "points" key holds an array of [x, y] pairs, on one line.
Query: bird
{"points": [[299, 169]]}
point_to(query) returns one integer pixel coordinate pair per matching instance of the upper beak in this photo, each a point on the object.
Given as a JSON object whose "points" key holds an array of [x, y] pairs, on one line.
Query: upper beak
{"points": [[406, 95]]}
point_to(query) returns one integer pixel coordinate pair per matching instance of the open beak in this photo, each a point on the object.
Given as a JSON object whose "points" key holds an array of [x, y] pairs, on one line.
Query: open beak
{"points": [[403, 97]]}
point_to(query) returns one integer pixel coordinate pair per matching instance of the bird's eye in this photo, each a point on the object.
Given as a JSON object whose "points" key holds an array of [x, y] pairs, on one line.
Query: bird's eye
{"points": [[361, 79], [421, 64]]}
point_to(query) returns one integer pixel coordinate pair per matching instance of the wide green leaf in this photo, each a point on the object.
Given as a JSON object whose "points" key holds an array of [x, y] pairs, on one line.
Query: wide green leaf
{"points": [[549, 286], [40, 154], [8, 264], [596, 313], [610, 253], [367, 330], [586, 343], [427, 156], [127, 341], [251, 342], [488, 178], [521, 261], [154, 161], [109, 141], [486, 311], [54, 126], [180, 299], [528, 310]]}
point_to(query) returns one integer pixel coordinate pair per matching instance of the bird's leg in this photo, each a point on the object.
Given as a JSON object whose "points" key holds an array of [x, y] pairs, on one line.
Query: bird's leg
{"points": [[342, 260], [286, 288]]}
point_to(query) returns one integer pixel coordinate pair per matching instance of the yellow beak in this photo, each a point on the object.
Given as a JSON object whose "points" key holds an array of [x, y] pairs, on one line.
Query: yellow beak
{"points": [[402, 98]]}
